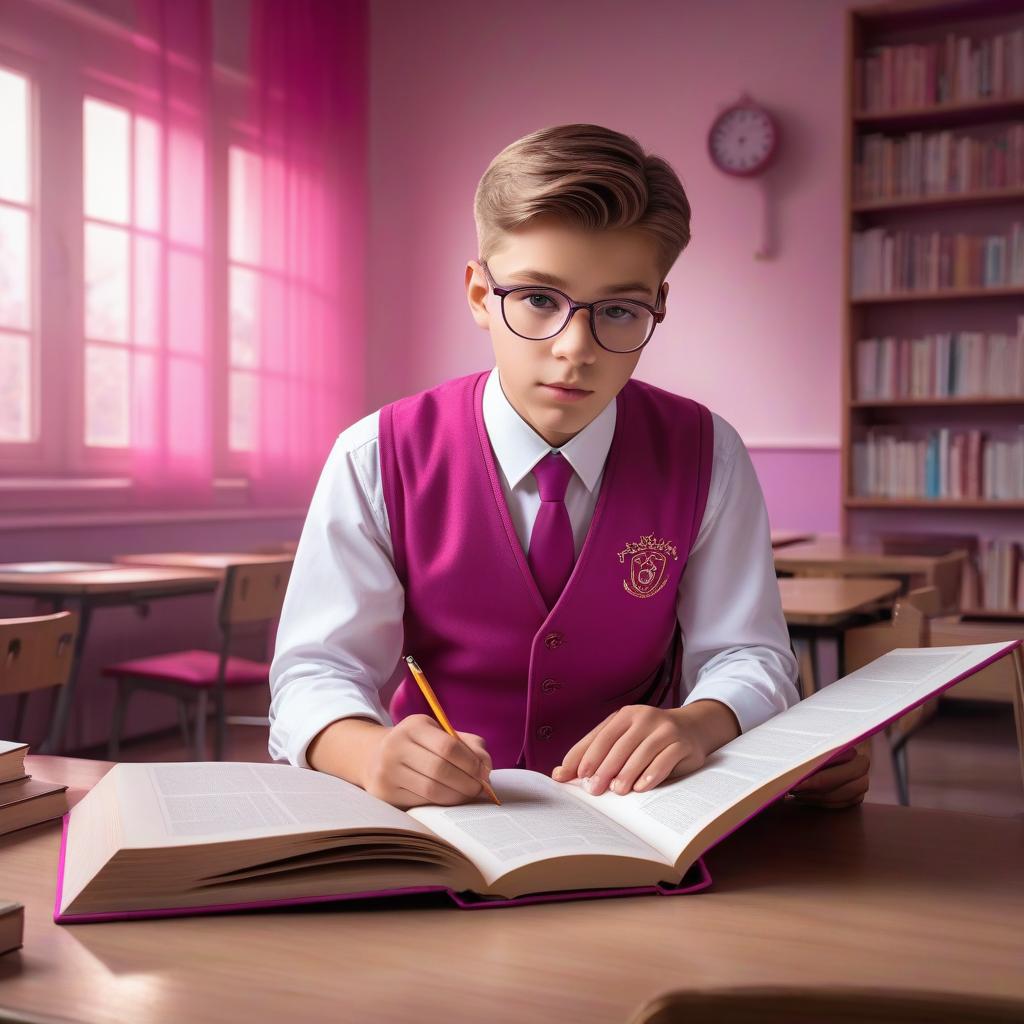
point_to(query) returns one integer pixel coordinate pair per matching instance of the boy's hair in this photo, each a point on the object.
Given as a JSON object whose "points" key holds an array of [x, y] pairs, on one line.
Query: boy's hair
{"points": [[588, 175]]}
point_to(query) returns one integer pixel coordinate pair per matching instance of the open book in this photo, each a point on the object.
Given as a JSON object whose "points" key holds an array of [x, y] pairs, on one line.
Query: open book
{"points": [[178, 838]]}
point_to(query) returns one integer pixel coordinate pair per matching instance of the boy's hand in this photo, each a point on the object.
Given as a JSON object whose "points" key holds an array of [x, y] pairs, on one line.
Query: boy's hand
{"points": [[842, 783], [416, 762], [638, 747]]}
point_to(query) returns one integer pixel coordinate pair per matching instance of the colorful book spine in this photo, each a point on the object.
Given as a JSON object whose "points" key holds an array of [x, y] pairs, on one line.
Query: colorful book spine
{"points": [[957, 69], [889, 262]]}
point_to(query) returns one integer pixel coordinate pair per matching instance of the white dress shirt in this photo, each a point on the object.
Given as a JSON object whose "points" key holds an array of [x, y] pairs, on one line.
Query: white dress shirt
{"points": [[340, 636]]}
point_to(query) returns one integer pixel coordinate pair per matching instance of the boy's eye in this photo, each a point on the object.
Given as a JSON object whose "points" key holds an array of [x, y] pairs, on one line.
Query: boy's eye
{"points": [[618, 312], [543, 298]]}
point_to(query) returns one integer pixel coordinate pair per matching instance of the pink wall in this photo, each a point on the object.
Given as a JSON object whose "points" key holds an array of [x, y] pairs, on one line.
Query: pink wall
{"points": [[757, 340]]}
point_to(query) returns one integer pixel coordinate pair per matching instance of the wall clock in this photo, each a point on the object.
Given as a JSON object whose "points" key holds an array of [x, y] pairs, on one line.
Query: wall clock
{"points": [[743, 139]]}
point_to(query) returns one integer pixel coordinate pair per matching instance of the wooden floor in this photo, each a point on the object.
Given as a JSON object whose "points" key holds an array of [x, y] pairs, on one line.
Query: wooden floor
{"points": [[965, 759]]}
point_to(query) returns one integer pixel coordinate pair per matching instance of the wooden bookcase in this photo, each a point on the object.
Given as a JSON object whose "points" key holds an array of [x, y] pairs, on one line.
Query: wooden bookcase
{"points": [[914, 314]]}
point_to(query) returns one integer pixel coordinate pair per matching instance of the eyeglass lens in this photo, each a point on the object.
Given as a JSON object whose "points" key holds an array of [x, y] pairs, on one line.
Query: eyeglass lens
{"points": [[537, 314]]}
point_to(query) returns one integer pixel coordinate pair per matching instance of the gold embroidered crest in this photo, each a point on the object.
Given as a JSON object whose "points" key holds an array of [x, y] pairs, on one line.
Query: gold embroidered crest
{"points": [[647, 565]]}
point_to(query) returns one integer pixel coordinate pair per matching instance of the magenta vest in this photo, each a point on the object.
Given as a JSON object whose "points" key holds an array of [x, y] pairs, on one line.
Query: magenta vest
{"points": [[533, 683]]}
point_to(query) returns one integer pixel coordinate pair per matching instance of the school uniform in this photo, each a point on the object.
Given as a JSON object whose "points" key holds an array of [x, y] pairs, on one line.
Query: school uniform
{"points": [[416, 542]]}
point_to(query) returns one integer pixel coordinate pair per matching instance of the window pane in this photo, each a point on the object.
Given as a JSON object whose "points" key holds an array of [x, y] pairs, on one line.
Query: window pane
{"points": [[147, 174], [15, 388], [186, 325], [107, 132], [242, 412], [14, 266], [106, 283], [14, 137], [147, 291], [186, 172], [243, 205], [107, 406], [244, 298]]}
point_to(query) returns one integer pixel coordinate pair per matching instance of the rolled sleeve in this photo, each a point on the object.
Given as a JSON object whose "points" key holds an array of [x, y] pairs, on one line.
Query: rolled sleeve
{"points": [[736, 647], [340, 633]]}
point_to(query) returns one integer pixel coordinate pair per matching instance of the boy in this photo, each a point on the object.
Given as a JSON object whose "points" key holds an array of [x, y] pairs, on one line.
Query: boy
{"points": [[523, 532]]}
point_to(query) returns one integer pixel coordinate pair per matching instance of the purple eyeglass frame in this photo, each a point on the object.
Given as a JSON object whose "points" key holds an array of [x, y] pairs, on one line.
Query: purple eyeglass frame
{"points": [[501, 291]]}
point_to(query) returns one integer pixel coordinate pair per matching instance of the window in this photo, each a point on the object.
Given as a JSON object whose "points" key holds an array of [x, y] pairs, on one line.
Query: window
{"points": [[18, 328]]}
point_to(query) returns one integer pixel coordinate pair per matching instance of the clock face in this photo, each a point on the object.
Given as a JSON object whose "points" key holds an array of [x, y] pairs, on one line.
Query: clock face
{"points": [[742, 140]]}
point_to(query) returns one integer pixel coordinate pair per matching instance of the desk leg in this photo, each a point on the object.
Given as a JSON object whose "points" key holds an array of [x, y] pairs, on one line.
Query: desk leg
{"points": [[66, 694], [808, 663]]}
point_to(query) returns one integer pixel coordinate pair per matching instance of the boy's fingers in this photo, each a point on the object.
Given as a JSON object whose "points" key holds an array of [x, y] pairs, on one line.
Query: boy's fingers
{"points": [[836, 774], [629, 743], [601, 744], [478, 745], [569, 768], [847, 795], [458, 754], [659, 769]]}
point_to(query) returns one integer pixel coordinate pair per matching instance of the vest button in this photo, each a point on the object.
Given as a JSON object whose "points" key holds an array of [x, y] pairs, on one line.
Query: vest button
{"points": [[550, 685], [553, 641], [544, 732]]}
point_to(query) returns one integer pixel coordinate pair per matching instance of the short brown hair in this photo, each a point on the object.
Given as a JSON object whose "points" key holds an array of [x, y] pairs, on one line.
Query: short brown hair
{"points": [[588, 175]]}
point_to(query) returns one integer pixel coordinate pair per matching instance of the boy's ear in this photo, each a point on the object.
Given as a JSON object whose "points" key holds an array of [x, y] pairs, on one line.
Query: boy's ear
{"points": [[477, 291]]}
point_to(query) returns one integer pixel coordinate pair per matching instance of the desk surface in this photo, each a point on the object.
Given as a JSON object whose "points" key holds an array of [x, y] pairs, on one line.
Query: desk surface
{"points": [[830, 554], [780, 538], [879, 895], [216, 560], [100, 579], [829, 600]]}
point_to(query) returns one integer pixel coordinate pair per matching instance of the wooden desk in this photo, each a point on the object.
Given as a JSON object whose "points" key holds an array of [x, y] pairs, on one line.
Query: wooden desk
{"points": [[825, 607], [216, 561], [82, 590], [879, 895], [783, 538], [829, 556]]}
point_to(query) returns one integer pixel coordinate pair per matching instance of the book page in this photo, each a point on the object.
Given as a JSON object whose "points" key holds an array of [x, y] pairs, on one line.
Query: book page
{"points": [[769, 759], [180, 804], [537, 820]]}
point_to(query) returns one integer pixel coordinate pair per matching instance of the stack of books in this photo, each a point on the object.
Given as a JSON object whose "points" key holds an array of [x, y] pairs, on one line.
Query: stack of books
{"points": [[949, 365], [943, 163], [25, 801], [892, 262], [956, 69]]}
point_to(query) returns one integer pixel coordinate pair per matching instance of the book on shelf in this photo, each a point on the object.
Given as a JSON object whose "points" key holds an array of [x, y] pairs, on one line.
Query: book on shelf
{"points": [[964, 364], [25, 801], [1001, 575], [186, 838], [886, 262], [943, 464], [12, 925], [936, 165], [956, 69]]}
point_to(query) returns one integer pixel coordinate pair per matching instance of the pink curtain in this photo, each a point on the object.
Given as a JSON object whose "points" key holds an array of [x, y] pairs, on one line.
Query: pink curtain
{"points": [[172, 376], [308, 63]]}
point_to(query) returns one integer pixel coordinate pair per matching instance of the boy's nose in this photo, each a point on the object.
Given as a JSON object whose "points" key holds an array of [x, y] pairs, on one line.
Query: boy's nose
{"points": [[576, 340]]}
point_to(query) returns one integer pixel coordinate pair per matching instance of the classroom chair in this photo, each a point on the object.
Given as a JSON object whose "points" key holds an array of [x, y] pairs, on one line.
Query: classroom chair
{"points": [[250, 594], [36, 653], [957, 587], [798, 1005], [916, 622]]}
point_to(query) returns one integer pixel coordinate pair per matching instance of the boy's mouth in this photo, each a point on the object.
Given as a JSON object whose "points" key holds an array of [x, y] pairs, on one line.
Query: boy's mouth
{"points": [[565, 392]]}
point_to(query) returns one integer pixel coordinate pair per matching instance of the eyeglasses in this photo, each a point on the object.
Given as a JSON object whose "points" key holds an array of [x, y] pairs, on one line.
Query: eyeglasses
{"points": [[538, 313]]}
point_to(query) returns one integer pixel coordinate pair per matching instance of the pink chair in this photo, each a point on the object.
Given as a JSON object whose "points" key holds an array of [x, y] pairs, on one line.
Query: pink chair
{"points": [[251, 593]]}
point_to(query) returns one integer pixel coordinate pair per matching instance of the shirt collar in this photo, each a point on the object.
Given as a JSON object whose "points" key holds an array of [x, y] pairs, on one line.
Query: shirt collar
{"points": [[518, 447]]}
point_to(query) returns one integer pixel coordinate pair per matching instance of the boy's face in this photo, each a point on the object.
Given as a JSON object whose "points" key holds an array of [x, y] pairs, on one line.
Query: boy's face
{"points": [[588, 263]]}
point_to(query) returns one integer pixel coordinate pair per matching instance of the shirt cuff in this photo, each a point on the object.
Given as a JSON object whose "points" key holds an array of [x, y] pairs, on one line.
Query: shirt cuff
{"points": [[752, 702], [294, 726]]}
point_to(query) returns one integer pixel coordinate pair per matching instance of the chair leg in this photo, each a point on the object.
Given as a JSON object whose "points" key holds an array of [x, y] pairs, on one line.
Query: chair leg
{"points": [[200, 731], [124, 691], [183, 720], [899, 768], [219, 725], [19, 716]]}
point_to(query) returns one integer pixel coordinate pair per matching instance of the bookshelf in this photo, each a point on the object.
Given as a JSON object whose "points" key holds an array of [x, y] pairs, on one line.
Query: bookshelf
{"points": [[933, 339]]}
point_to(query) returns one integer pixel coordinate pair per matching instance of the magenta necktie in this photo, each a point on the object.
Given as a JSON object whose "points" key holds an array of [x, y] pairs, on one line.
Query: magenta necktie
{"points": [[552, 552]]}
